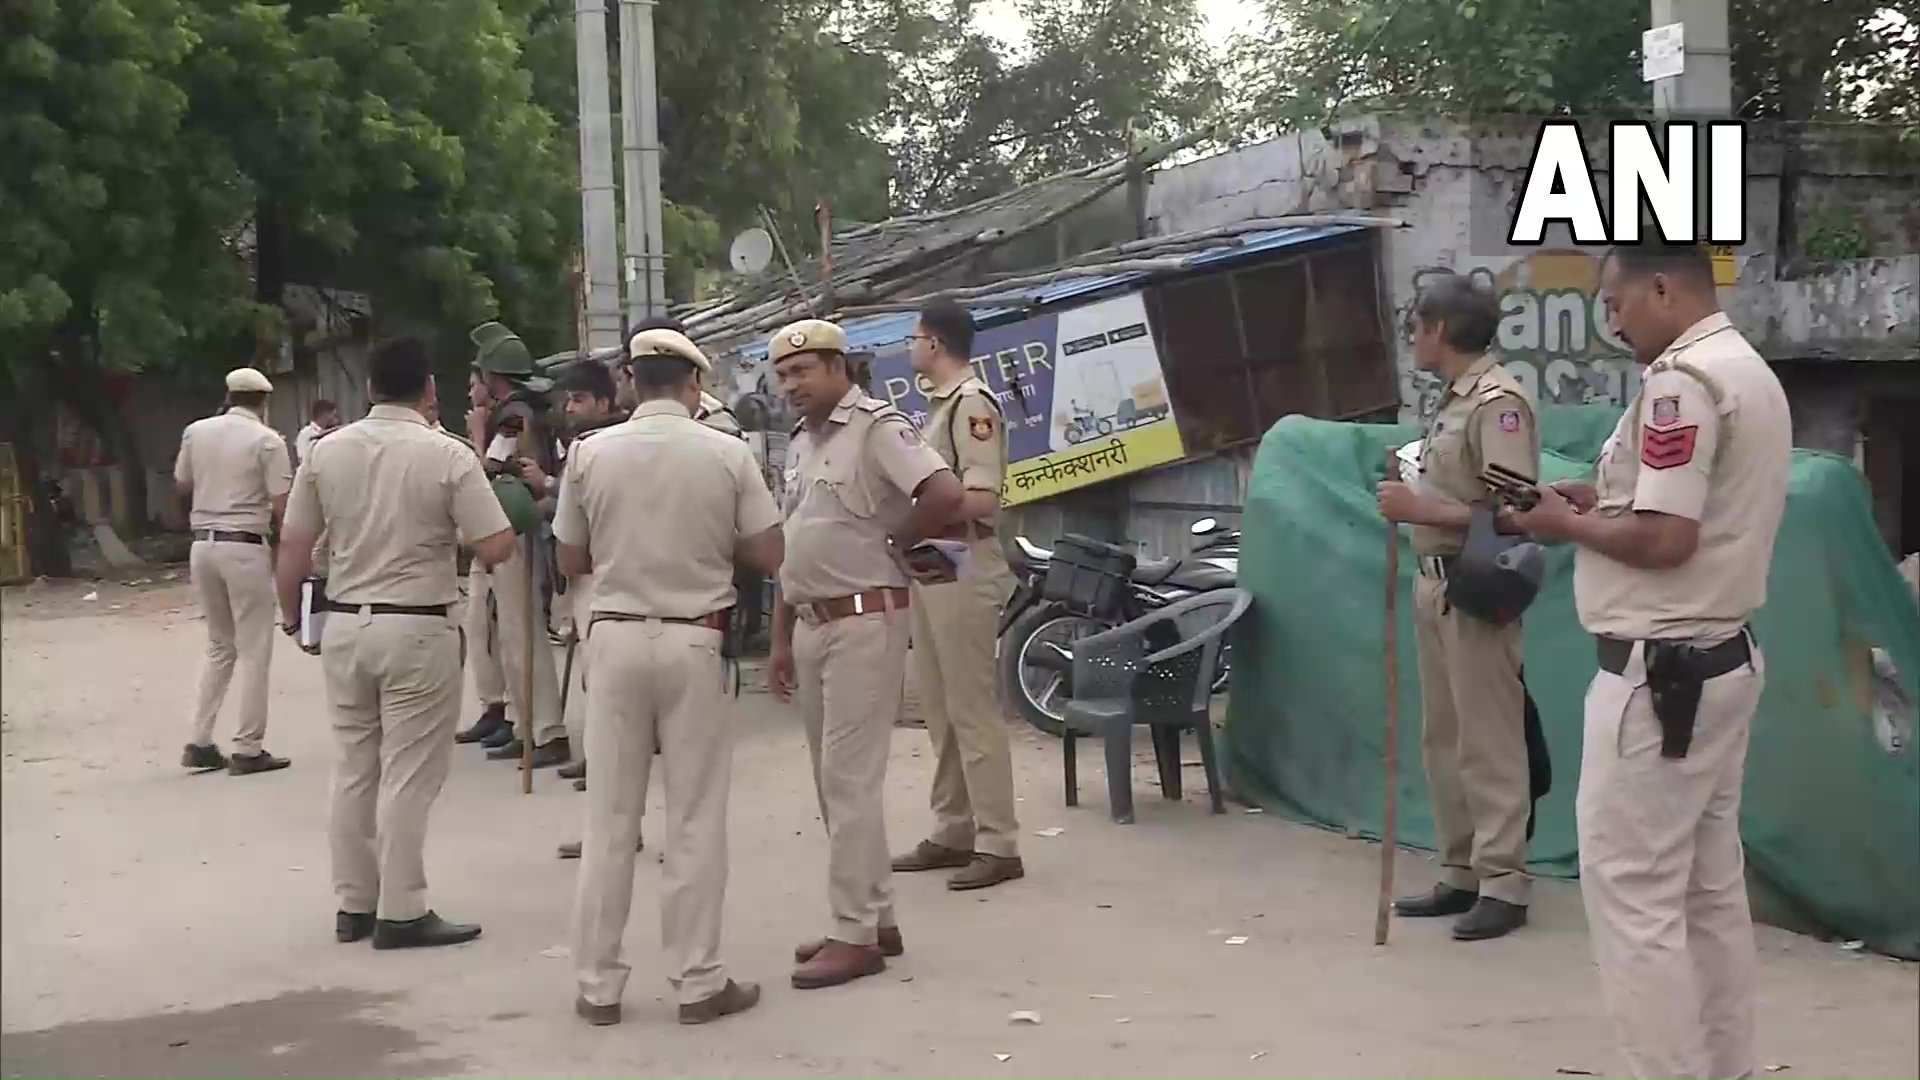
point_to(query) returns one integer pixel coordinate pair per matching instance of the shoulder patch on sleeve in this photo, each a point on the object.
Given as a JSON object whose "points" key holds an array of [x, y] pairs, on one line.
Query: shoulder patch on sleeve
{"points": [[981, 427], [1509, 420]]}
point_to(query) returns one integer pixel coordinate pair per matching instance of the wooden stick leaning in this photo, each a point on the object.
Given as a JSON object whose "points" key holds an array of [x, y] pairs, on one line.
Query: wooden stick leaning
{"points": [[532, 597], [1389, 845]]}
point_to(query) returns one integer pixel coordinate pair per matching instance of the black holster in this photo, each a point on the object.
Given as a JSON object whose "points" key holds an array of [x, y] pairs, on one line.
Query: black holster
{"points": [[1675, 678]]}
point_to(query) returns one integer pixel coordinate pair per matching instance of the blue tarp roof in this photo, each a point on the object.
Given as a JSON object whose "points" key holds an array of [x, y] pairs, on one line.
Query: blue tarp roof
{"points": [[874, 332]]}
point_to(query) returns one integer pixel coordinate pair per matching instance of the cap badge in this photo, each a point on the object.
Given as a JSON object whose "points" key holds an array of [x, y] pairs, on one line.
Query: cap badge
{"points": [[797, 338]]}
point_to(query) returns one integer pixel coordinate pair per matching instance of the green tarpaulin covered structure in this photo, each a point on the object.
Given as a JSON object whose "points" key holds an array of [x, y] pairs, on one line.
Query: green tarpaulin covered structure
{"points": [[1831, 813]]}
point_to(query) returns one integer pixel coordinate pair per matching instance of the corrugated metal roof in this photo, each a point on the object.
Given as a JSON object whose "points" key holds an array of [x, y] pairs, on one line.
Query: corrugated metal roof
{"points": [[873, 332]]}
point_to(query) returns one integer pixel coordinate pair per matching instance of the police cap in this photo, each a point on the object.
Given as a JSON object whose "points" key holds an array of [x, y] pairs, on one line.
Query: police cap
{"points": [[246, 380], [807, 335], [664, 342]]}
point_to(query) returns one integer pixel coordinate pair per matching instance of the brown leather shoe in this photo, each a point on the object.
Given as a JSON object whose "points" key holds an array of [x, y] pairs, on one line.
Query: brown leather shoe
{"points": [[732, 998], [597, 1015], [890, 945], [927, 855], [984, 871], [838, 962]]}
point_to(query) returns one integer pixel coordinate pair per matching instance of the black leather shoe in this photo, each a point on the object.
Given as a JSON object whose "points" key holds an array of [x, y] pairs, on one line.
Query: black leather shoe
{"points": [[556, 752], [1489, 919], [597, 1015], [509, 750], [572, 770], [491, 720], [243, 764], [352, 926], [499, 738], [424, 932], [1443, 900], [201, 758]]}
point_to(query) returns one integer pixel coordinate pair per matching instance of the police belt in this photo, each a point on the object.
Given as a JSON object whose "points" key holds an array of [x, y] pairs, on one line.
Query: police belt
{"points": [[1436, 566], [870, 602], [222, 536], [439, 610], [714, 621], [1677, 673]]}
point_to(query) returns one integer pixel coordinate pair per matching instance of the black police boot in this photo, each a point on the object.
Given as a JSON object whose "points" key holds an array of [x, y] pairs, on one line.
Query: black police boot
{"points": [[201, 757], [352, 926], [492, 719], [1442, 900], [500, 737], [1489, 919], [509, 750], [555, 752], [424, 932]]}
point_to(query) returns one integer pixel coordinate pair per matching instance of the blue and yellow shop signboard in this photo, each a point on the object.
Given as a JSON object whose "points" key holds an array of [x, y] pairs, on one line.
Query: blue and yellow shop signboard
{"points": [[1081, 390]]}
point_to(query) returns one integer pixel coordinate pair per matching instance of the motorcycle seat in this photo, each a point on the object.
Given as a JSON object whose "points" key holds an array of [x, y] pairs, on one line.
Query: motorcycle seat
{"points": [[1153, 571], [1201, 577]]}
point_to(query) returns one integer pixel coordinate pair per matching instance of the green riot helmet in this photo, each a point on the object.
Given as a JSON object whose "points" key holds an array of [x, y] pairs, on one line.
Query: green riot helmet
{"points": [[499, 351]]}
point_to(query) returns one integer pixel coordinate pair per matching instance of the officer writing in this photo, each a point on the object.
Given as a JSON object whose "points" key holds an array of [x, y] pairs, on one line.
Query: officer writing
{"points": [[1675, 536], [955, 622], [1472, 704], [861, 489], [394, 498], [662, 584]]}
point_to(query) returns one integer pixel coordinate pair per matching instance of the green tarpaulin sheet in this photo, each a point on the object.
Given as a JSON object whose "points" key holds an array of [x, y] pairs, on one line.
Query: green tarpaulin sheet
{"points": [[1831, 812]]}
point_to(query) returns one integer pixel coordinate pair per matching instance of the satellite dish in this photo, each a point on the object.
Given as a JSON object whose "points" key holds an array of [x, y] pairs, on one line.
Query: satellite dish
{"points": [[752, 250]]}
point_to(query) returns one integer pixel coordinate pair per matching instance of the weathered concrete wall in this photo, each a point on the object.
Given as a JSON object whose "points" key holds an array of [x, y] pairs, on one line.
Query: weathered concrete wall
{"points": [[1455, 185]]}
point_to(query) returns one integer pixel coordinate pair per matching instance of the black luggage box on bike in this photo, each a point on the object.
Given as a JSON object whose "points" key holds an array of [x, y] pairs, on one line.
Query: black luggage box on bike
{"points": [[1088, 577]]}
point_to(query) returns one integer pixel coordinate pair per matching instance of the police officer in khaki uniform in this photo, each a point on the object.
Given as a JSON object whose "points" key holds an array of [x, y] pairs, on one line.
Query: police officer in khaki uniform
{"points": [[480, 625], [1473, 737], [861, 489], [514, 394], [1675, 539], [233, 470], [395, 497], [662, 584], [955, 623]]}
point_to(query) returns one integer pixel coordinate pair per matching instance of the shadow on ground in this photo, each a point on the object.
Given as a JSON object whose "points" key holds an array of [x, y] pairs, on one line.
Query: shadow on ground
{"points": [[309, 1033]]}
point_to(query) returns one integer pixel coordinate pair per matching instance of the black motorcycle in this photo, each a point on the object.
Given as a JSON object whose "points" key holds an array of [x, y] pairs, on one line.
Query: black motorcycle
{"points": [[1037, 635]]}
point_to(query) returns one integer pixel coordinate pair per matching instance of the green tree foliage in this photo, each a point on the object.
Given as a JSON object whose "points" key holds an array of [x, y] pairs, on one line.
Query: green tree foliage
{"points": [[1793, 59], [972, 121]]}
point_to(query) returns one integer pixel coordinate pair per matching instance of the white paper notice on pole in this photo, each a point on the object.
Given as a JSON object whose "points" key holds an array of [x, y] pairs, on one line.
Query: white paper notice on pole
{"points": [[1663, 53]]}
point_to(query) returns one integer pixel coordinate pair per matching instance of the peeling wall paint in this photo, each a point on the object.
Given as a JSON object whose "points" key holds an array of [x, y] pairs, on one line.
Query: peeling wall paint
{"points": [[1455, 184]]}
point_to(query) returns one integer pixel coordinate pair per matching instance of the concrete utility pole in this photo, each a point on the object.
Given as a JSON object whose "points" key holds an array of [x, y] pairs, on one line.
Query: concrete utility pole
{"points": [[601, 287], [1704, 89], [640, 138]]}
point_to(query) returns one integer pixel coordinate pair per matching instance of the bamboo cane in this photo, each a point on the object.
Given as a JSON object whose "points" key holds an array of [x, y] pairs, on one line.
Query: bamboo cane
{"points": [[1382, 916]]}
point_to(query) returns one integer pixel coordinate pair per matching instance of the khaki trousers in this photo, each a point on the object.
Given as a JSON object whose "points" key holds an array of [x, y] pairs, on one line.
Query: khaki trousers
{"points": [[851, 675], [954, 628], [394, 684], [576, 620], [1473, 741], [235, 582], [483, 641], [655, 680], [508, 582], [1664, 876]]}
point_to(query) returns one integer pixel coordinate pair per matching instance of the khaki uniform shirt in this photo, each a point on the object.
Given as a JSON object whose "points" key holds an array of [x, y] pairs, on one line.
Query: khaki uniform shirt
{"points": [[1484, 418], [394, 497], [661, 502], [237, 466], [968, 433], [1709, 439], [849, 486]]}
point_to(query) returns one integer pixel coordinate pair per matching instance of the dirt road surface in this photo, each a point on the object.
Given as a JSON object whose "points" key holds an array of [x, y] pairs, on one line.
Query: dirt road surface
{"points": [[161, 924]]}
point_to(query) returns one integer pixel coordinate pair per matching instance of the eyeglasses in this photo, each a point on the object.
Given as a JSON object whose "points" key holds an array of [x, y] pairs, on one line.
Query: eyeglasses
{"points": [[919, 337]]}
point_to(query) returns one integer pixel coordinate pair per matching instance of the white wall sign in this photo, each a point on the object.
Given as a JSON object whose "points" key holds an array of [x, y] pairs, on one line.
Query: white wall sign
{"points": [[1663, 53]]}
